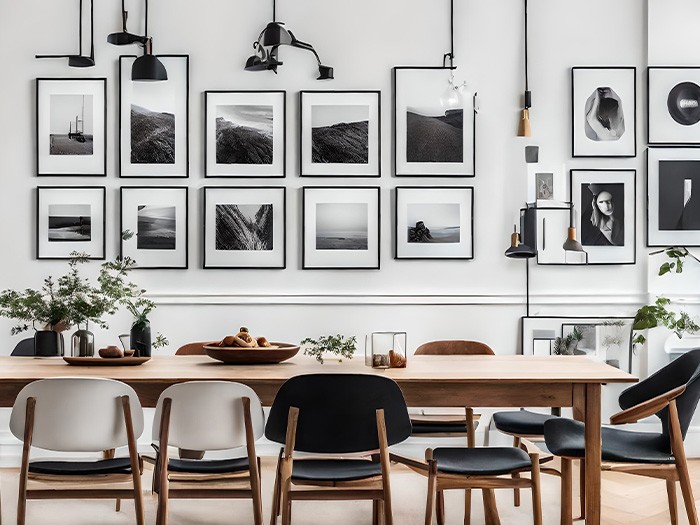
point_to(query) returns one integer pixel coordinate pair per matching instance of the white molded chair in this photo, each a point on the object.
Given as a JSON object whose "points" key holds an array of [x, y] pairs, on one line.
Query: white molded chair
{"points": [[207, 415], [78, 415]]}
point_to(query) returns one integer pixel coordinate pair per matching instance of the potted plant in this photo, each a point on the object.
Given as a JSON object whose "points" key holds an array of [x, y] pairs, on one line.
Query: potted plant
{"points": [[336, 345], [140, 336]]}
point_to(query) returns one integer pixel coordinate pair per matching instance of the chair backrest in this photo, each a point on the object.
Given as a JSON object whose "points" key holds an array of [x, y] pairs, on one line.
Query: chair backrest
{"points": [[208, 415], [337, 412], [684, 370], [192, 349], [456, 347], [24, 348], [77, 414]]}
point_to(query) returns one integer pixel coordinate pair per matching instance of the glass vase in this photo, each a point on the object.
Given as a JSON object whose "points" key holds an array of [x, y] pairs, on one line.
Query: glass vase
{"points": [[83, 343], [385, 350]]}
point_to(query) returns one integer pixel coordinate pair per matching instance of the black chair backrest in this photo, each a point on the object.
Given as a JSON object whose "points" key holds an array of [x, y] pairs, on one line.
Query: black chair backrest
{"points": [[24, 348], [684, 370], [337, 412]]}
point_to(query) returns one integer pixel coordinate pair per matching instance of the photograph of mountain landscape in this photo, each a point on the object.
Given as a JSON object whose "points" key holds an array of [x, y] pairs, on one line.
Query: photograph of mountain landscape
{"points": [[244, 134], [433, 223], [70, 223], [434, 135], [340, 134], [342, 226], [71, 125], [152, 136], [245, 227], [156, 228]]}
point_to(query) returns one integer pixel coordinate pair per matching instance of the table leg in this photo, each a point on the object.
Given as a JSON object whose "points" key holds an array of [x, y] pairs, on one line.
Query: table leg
{"points": [[593, 453]]}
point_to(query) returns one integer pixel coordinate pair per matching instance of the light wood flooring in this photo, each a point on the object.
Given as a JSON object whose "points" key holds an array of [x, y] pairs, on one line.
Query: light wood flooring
{"points": [[626, 500]]}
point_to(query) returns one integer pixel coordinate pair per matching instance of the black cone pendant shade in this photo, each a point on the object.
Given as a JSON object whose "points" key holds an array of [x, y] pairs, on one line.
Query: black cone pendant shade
{"points": [[81, 60], [147, 68]]}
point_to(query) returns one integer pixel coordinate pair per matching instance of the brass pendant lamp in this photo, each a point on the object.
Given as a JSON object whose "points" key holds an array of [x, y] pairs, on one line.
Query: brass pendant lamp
{"points": [[524, 129]]}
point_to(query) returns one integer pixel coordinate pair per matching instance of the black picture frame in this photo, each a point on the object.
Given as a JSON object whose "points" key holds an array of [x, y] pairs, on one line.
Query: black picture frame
{"points": [[398, 171], [43, 127], [450, 191], [662, 127], [374, 264], [605, 148], [151, 172], [69, 247], [206, 223], [124, 225], [338, 169], [210, 168]]}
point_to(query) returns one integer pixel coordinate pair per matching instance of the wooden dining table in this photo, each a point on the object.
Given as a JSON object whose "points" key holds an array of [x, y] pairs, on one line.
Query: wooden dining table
{"points": [[427, 381]]}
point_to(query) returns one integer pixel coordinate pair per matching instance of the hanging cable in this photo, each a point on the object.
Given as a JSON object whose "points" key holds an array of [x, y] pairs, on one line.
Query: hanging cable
{"points": [[528, 95], [524, 129]]}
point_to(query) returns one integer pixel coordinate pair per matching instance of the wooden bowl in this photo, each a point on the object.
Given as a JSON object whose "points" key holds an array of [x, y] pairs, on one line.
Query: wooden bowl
{"points": [[277, 353]]}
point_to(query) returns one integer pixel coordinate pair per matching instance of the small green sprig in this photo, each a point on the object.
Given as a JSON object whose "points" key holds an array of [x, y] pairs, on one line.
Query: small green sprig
{"points": [[334, 344]]}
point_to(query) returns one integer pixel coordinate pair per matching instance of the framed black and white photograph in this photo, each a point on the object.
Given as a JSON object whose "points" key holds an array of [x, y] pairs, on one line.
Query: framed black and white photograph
{"points": [[603, 111], [245, 133], [157, 218], [434, 133], [340, 228], [71, 127], [673, 105], [70, 219], [673, 197], [340, 134], [604, 204], [154, 121], [434, 222], [244, 227]]}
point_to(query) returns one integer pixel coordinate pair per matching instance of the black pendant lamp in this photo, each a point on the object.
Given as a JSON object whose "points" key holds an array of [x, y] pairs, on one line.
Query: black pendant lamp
{"points": [[571, 244], [524, 129], [267, 45], [147, 67], [523, 250], [80, 60]]}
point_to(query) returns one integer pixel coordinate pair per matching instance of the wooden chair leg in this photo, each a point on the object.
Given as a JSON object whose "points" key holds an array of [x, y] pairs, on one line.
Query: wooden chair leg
{"points": [[275, 511], [516, 492], [257, 498], [375, 512], [467, 507], [566, 492], [109, 454], [672, 500], [582, 488], [490, 509], [686, 489], [440, 507], [536, 493], [430, 503]]}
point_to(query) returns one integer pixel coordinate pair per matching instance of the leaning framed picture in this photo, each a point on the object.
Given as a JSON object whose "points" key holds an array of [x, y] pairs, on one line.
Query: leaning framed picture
{"points": [[435, 222], [71, 127], [434, 133], [154, 121], [603, 111], [673, 197], [673, 105], [244, 227], [157, 219], [340, 134], [70, 219], [244, 133], [606, 218], [340, 228]]}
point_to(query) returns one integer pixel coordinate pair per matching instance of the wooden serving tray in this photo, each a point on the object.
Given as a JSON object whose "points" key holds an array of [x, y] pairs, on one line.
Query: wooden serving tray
{"points": [[276, 353], [106, 361]]}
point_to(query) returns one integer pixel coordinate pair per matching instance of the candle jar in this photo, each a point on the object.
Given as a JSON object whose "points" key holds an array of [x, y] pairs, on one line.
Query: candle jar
{"points": [[385, 350]]}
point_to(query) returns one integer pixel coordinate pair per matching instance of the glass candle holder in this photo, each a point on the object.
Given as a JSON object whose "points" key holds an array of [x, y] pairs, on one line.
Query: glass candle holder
{"points": [[385, 350]]}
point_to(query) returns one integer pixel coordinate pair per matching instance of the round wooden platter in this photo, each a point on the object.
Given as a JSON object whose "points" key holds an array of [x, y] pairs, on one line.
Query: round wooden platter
{"points": [[106, 361], [276, 353]]}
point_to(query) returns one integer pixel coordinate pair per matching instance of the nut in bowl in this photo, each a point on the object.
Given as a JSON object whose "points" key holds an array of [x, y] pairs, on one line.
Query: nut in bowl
{"points": [[243, 348], [111, 352]]}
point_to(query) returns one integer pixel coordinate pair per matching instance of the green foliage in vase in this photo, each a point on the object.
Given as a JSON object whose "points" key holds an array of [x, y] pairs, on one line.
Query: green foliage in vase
{"points": [[334, 344]]}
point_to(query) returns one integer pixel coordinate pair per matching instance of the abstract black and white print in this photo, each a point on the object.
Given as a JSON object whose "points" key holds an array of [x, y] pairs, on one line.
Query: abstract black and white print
{"points": [[602, 214], [71, 125], [245, 227], [604, 118], [434, 134], [70, 223], [433, 223], [342, 226], [152, 136], [156, 227], [340, 134], [679, 195], [544, 186], [683, 103], [244, 134]]}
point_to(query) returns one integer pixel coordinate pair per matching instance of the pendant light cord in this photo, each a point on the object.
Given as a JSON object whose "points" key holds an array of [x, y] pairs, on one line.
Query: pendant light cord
{"points": [[528, 95], [146, 24], [274, 10], [80, 29], [451, 55]]}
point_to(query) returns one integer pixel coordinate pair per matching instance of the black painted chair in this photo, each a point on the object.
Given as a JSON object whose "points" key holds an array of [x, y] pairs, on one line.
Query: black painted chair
{"points": [[672, 395], [25, 348], [338, 415]]}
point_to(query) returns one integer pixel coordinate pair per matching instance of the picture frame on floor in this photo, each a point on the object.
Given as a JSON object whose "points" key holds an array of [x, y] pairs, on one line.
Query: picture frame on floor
{"points": [[245, 134], [673, 105], [70, 219], [340, 134], [71, 127], [157, 218], [341, 227], [435, 222], [434, 124], [154, 121], [244, 227]]}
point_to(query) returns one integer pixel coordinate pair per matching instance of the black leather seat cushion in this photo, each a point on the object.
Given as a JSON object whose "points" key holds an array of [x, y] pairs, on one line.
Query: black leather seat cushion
{"points": [[482, 461], [438, 427], [521, 422], [215, 466], [334, 469], [565, 437], [81, 468]]}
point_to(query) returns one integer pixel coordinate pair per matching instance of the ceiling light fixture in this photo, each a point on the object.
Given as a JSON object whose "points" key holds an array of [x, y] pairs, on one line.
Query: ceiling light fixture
{"points": [[524, 129], [80, 60]]}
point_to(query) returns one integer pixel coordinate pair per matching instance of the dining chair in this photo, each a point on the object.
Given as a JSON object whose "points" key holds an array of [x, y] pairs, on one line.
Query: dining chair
{"points": [[672, 395], [207, 415], [350, 419], [78, 415]]}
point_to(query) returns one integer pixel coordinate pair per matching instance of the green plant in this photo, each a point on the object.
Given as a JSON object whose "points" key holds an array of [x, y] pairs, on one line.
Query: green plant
{"points": [[651, 316], [567, 344], [334, 344], [676, 254]]}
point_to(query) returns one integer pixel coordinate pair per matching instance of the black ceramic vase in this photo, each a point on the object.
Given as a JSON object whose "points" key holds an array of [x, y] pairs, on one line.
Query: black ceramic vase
{"points": [[48, 343], [141, 338]]}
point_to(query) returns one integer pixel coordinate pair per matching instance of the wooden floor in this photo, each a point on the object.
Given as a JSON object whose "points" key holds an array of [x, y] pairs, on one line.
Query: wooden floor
{"points": [[626, 500]]}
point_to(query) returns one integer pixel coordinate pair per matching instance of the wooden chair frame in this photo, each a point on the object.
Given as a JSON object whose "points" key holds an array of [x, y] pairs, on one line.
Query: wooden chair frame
{"points": [[70, 493], [245, 484], [376, 488]]}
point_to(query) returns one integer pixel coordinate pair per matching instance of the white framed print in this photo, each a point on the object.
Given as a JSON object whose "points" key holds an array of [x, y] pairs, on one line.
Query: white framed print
{"points": [[673, 105], [340, 228], [603, 111], [245, 133]]}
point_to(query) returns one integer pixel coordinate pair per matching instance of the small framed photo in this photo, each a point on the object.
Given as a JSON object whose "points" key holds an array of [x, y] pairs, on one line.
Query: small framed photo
{"points": [[435, 222], [587, 345], [340, 134], [605, 200], [158, 218], [244, 227], [340, 228], [433, 136], [154, 121], [603, 111], [71, 127], [673, 105], [673, 197], [70, 219], [245, 133]]}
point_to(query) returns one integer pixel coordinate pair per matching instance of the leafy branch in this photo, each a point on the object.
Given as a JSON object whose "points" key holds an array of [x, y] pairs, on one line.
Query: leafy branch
{"points": [[651, 316], [334, 344]]}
